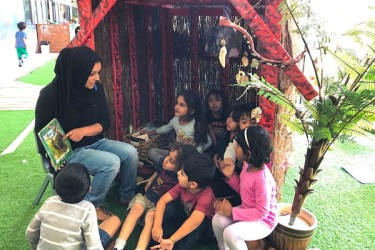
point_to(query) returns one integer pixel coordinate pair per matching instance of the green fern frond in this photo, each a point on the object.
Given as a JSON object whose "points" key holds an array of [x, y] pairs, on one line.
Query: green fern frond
{"points": [[350, 65], [295, 126]]}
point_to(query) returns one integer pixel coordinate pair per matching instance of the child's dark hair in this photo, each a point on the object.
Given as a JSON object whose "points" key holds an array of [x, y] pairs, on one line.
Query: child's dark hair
{"points": [[184, 151], [77, 29], [199, 168], [21, 25], [258, 141], [240, 110], [218, 94], [193, 101], [72, 183]]}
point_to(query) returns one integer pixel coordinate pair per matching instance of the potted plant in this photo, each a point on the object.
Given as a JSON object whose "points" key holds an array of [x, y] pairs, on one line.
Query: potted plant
{"points": [[343, 109]]}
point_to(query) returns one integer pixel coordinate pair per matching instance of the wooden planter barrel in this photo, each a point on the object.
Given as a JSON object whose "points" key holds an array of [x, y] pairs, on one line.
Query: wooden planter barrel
{"points": [[286, 237]]}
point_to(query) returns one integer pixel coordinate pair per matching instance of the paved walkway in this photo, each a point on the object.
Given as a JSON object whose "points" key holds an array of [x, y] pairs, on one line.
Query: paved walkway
{"points": [[15, 95]]}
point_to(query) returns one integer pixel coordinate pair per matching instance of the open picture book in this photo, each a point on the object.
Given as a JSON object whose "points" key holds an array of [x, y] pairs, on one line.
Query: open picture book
{"points": [[58, 148]]}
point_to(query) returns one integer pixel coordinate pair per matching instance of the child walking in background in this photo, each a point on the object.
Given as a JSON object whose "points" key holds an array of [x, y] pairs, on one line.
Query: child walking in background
{"points": [[20, 44], [66, 220], [255, 218], [216, 115], [183, 215], [188, 123], [159, 183]]}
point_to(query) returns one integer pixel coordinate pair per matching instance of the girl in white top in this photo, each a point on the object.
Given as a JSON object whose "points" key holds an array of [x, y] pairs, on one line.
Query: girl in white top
{"points": [[189, 124]]}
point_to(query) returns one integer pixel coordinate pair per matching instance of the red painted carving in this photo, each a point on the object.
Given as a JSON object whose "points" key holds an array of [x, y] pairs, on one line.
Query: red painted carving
{"points": [[89, 20], [272, 18], [116, 74], [272, 46], [133, 67], [150, 67]]}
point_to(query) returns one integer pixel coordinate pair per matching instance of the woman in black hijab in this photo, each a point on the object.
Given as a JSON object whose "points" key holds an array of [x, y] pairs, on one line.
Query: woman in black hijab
{"points": [[77, 99]]}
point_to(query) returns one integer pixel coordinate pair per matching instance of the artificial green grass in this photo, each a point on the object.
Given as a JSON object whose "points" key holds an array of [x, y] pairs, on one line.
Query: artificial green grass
{"points": [[40, 76], [13, 127], [343, 206]]}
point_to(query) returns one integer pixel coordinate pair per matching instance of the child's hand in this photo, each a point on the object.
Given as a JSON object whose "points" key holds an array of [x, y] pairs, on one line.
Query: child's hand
{"points": [[227, 168], [224, 207], [166, 244], [143, 131], [157, 233], [217, 160]]}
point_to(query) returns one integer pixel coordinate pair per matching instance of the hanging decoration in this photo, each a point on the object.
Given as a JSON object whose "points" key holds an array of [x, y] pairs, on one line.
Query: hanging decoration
{"points": [[223, 52], [225, 22]]}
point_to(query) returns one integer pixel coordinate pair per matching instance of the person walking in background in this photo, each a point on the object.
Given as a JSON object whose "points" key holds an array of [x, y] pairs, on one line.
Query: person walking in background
{"points": [[76, 98], [20, 43], [66, 220]]}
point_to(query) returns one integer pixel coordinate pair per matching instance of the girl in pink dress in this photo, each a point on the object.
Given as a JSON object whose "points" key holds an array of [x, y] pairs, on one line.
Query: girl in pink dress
{"points": [[255, 218]]}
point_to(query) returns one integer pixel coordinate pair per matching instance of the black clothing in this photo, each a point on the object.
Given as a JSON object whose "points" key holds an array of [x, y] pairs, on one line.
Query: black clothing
{"points": [[67, 99]]}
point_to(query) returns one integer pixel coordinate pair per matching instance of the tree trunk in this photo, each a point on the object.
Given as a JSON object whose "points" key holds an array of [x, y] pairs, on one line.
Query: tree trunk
{"points": [[313, 158], [282, 137]]}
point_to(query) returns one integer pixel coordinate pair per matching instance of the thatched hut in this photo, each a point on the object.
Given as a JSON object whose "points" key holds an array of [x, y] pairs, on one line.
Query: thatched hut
{"points": [[153, 49]]}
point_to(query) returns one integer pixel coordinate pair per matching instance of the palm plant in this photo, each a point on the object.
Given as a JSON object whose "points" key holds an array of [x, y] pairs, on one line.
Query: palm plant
{"points": [[343, 109]]}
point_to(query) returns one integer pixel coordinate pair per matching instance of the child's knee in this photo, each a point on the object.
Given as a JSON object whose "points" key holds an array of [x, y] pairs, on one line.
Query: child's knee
{"points": [[149, 218]]}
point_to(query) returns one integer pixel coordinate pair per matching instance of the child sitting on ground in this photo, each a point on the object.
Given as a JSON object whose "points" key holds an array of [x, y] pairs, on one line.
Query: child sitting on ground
{"points": [[183, 215], [66, 220], [188, 123], [256, 217], [159, 183], [219, 185], [249, 118], [216, 115]]}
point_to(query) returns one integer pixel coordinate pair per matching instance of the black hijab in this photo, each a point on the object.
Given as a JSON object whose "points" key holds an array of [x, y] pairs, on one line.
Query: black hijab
{"points": [[73, 67]]}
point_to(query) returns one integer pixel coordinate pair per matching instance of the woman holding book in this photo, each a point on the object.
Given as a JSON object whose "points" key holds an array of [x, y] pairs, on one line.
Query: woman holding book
{"points": [[77, 99]]}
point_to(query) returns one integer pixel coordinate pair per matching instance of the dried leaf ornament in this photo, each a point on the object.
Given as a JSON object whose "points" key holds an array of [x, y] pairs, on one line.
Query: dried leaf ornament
{"points": [[256, 115], [254, 63], [245, 60], [223, 53], [241, 77]]}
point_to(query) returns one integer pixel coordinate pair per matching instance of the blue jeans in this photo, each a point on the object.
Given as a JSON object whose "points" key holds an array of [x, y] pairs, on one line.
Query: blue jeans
{"points": [[104, 159]]}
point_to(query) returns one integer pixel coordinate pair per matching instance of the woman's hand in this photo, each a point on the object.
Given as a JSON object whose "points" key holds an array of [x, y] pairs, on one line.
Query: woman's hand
{"points": [[157, 233], [224, 207], [75, 134], [227, 168], [166, 244]]}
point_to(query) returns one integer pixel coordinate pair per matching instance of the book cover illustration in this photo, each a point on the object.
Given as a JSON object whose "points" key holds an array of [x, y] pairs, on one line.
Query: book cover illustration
{"points": [[58, 149]]}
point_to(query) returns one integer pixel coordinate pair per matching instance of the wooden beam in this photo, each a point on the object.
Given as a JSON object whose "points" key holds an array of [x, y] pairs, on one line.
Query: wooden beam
{"points": [[116, 73], [133, 68], [273, 47], [150, 67], [89, 20], [270, 73]]}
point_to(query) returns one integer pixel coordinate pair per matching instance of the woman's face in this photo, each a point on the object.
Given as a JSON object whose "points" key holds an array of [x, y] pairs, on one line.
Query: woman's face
{"points": [[94, 76]]}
